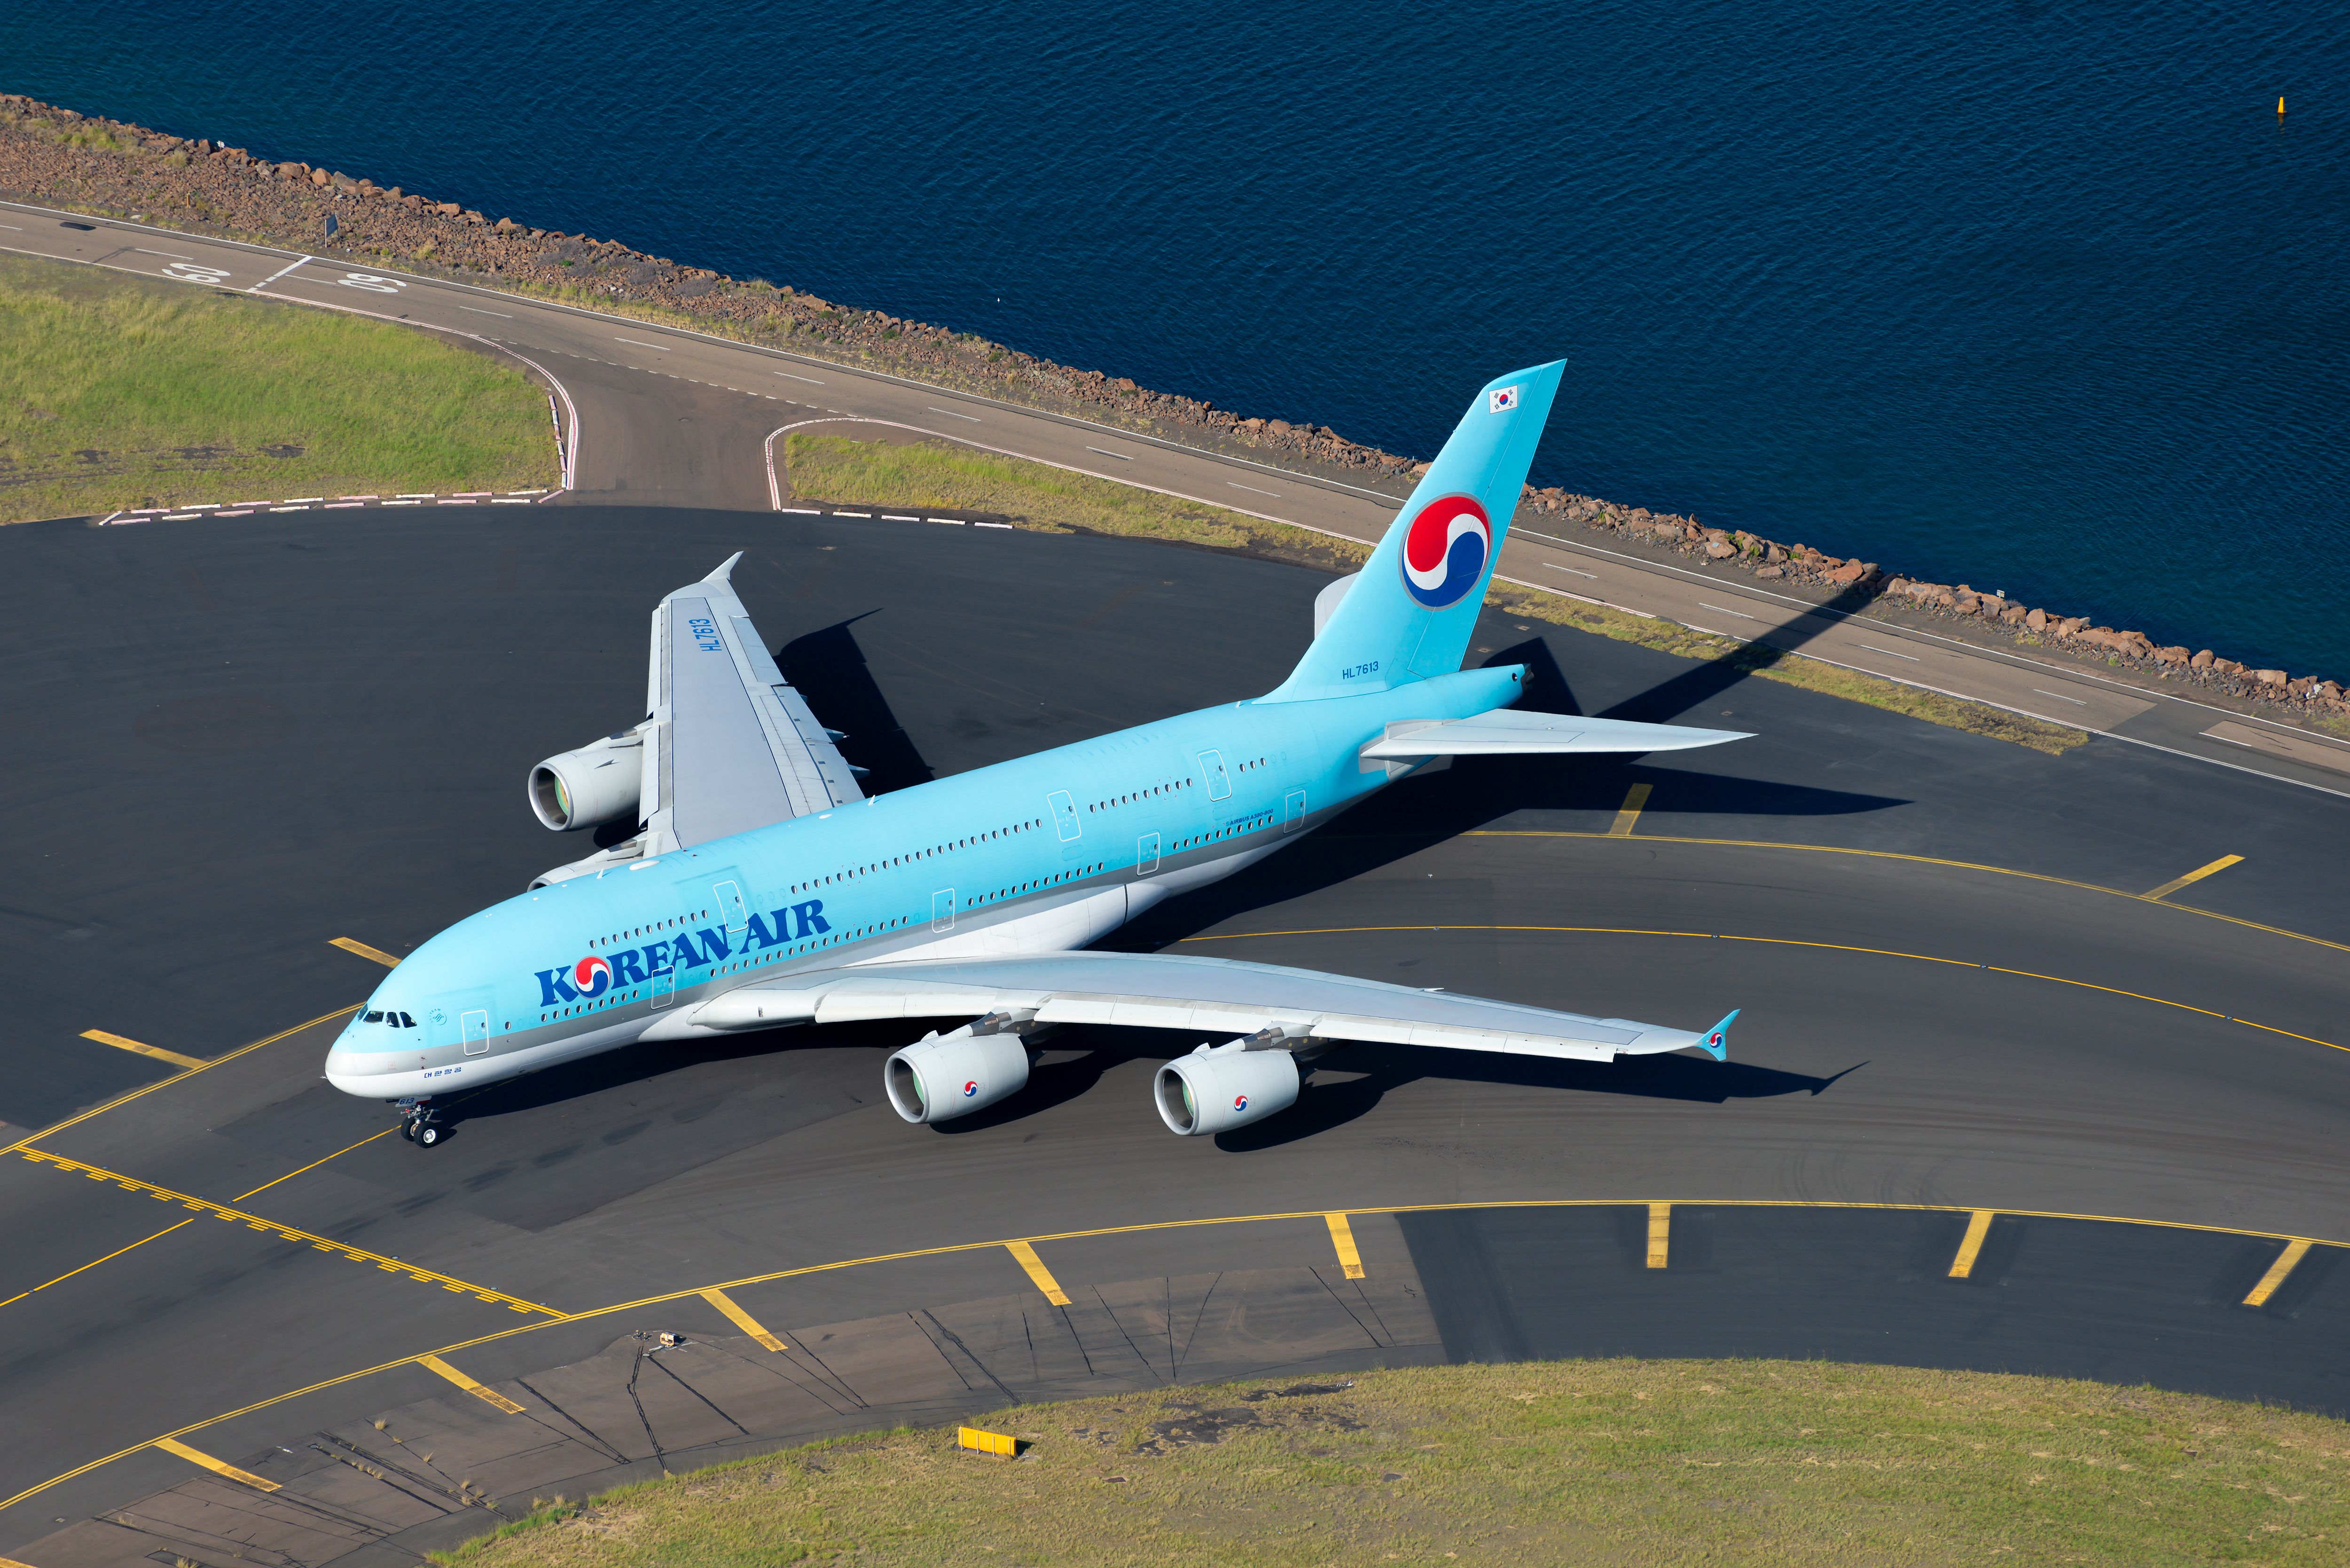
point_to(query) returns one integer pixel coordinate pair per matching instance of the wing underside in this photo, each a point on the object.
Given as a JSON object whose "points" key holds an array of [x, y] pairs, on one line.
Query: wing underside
{"points": [[729, 744], [1165, 991]]}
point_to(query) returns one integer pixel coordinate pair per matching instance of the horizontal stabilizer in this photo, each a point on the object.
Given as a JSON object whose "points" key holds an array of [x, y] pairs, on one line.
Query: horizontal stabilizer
{"points": [[1507, 732]]}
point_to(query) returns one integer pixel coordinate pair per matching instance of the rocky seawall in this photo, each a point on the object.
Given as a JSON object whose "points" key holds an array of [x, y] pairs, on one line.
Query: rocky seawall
{"points": [[57, 156]]}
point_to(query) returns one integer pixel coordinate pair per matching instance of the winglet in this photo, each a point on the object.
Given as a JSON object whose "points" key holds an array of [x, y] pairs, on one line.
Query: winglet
{"points": [[1716, 1039], [726, 569]]}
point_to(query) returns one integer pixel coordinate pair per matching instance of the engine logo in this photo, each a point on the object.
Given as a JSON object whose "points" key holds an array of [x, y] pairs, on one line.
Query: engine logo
{"points": [[1444, 550], [1239, 1102], [591, 976], [969, 1088]]}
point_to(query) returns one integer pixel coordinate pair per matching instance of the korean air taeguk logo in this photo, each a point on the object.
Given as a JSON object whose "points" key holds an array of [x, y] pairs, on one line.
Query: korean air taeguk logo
{"points": [[591, 976], [1444, 550]]}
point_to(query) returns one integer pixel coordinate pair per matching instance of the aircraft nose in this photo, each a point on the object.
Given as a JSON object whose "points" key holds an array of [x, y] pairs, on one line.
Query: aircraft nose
{"points": [[350, 1071]]}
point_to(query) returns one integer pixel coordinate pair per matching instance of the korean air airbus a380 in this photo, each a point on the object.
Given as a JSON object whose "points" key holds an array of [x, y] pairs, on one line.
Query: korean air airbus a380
{"points": [[763, 888]]}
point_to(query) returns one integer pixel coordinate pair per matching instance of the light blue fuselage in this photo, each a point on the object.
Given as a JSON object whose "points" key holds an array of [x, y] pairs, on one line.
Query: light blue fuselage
{"points": [[1045, 852]]}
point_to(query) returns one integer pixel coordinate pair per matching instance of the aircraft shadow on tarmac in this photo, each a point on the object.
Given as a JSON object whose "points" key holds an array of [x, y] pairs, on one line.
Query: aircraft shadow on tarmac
{"points": [[830, 670]]}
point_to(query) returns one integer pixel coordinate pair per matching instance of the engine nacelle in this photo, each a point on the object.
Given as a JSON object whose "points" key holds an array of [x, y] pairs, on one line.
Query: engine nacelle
{"points": [[1214, 1091], [598, 783], [941, 1076]]}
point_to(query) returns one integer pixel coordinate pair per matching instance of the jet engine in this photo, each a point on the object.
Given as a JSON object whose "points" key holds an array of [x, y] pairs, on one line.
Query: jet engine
{"points": [[942, 1076], [1215, 1090], [595, 784]]}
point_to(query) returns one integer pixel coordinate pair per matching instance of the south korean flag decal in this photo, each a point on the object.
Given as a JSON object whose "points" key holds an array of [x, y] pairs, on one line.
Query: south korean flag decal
{"points": [[1502, 401]]}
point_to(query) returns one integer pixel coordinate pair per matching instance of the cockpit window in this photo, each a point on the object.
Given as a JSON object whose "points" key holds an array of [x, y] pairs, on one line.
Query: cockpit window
{"points": [[370, 1017], [406, 1021]]}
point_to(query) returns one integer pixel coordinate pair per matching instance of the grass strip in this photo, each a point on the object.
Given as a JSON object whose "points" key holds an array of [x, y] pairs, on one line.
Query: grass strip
{"points": [[1763, 1463], [937, 474], [120, 391]]}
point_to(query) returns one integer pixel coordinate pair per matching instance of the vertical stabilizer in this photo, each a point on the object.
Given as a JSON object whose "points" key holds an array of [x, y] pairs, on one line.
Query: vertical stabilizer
{"points": [[1409, 613]]}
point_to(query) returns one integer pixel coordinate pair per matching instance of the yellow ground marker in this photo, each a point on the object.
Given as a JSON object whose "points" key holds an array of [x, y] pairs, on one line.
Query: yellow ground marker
{"points": [[981, 1442], [218, 1467], [1660, 1233], [2293, 1252], [2176, 883], [288, 1232], [1038, 1275], [1970, 1245], [1342, 1236], [486, 1396], [1634, 801], [351, 945], [743, 1319], [125, 1043]]}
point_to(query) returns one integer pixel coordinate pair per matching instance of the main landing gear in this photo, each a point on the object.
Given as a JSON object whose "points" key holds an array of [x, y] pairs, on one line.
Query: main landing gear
{"points": [[416, 1121]]}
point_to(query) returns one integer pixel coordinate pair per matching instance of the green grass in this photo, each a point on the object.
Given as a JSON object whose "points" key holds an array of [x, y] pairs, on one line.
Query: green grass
{"points": [[1797, 1463], [123, 392], [936, 474]]}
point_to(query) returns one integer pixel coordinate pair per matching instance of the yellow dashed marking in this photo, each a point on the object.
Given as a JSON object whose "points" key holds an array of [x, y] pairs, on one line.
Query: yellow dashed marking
{"points": [[218, 1467], [487, 1396], [124, 1043], [1635, 800], [1038, 1275], [352, 945], [2196, 874], [1970, 1245], [2294, 1250], [743, 1320], [1341, 1237]]}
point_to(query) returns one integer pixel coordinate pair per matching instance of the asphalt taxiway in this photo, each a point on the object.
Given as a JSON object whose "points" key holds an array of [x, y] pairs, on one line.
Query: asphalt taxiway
{"points": [[248, 739]]}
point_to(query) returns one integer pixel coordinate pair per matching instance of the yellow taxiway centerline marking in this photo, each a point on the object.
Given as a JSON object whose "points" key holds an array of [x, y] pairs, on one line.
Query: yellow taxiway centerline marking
{"points": [[1913, 859], [1660, 1233], [1970, 1245], [145, 1089], [124, 1043], [743, 1320], [1780, 942], [218, 1467], [2196, 874], [351, 945], [222, 1212], [1635, 799], [487, 1396], [2294, 1250], [1341, 1237], [1038, 1275], [836, 1265]]}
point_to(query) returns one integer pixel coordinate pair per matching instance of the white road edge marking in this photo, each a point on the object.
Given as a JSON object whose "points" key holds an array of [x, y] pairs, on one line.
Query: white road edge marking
{"points": [[1890, 654], [281, 272], [2062, 698], [633, 342], [953, 415]]}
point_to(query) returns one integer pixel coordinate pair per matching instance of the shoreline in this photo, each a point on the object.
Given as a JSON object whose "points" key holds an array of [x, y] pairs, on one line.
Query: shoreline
{"points": [[58, 157]]}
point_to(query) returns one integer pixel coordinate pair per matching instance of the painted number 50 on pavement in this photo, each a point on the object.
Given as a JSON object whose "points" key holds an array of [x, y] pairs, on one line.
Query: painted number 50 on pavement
{"points": [[372, 284]]}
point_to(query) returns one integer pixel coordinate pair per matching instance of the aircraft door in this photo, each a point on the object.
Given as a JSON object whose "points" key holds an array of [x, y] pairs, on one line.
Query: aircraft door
{"points": [[1065, 815], [730, 905], [942, 909], [1293, 810], [1218, 781], [1146, 854], [473, 1028]]}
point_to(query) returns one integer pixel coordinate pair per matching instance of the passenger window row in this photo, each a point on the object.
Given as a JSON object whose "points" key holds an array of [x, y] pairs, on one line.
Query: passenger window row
{"points": [[1130, 799], [896, 860]]}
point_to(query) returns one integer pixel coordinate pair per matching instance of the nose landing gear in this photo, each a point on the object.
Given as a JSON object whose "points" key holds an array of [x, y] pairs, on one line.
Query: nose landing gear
{"points": [[416, 1121]]}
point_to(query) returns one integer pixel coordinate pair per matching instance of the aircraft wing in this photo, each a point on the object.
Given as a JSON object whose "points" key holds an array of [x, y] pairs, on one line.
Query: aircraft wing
{"points": [[1507, 732], [1171, 991], [730, 745]]}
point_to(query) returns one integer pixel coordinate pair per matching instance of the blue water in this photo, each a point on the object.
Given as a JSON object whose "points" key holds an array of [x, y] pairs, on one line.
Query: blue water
{"points": [[2045, 298]]}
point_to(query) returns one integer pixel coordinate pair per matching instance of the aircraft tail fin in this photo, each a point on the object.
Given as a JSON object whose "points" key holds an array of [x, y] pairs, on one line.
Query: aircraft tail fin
{"points": [[1409, 613]]}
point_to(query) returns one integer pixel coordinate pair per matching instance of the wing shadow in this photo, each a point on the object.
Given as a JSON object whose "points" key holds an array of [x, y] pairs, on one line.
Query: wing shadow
{"points": [[828, 669]]}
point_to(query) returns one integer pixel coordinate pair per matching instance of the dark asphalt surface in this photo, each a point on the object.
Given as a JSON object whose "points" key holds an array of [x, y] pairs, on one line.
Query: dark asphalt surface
{"points": [[240, 740]]}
